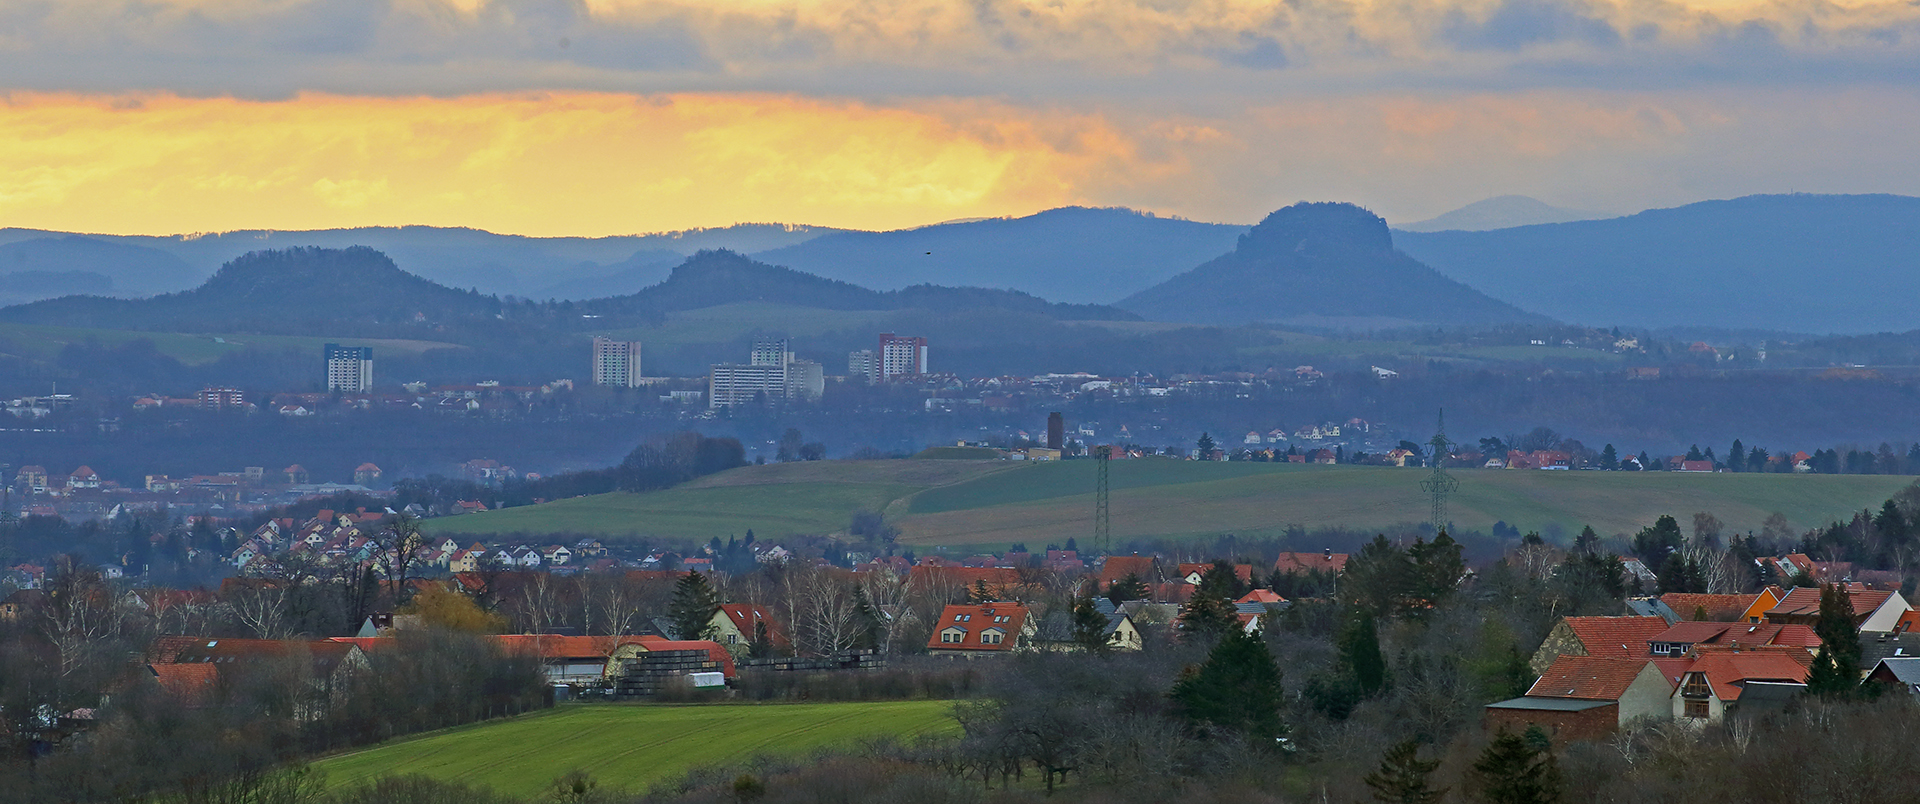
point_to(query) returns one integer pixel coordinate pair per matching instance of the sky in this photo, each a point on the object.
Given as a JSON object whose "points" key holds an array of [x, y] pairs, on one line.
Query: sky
{"points": [[596, 117]]}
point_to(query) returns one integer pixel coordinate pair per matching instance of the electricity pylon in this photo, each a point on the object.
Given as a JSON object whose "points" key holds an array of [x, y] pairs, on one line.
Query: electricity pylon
{"points": [[1439, 484]]}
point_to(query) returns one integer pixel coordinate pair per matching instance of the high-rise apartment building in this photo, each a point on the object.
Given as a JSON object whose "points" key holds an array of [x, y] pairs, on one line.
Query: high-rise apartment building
{"points": [[349, 368], [863, 366], [773, 376], [616, 363], [901, 356], [771, 352]]}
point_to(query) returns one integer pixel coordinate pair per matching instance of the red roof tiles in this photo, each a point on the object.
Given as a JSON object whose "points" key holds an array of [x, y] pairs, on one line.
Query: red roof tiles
{"points": [[1616, 637], [1720, 608], [993, 627], [1588, 678]]}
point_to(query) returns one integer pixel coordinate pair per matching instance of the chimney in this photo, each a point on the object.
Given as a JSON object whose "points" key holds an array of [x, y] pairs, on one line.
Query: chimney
{"points": [[1329, 554]]}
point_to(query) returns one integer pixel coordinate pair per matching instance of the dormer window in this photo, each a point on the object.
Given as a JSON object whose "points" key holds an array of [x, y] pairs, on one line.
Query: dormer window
{"points": [[952, 636]]}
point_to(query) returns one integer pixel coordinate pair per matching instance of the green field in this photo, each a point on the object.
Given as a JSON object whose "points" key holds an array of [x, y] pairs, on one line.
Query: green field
{"points": [[41, 342], [950, 502], [630, 747]]}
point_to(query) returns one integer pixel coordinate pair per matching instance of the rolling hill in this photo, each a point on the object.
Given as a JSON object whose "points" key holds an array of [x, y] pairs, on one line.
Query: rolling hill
{"points": [[44, 267], [1499, 212], [1072, 254], [308, 291], [1326, 265], [959, 502], [1845, 264]]}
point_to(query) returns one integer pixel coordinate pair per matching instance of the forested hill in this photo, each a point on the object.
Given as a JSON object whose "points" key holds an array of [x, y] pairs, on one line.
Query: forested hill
{"points": [[295, 291], [1803, 263], [712, 278], [1324, 264], [1072, 254]]}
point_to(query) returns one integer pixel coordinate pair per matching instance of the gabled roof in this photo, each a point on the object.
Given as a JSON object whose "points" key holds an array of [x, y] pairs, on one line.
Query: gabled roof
{"points": [[1904, 670], [747, 618], [1261, 596], [1615, 637], [924, 577], [1119, 567], [1305, 562], [1720, 608], [188, 683], [1727, 670], [1804, 601], [1744, 634], [972, 621], [1587, 677]]}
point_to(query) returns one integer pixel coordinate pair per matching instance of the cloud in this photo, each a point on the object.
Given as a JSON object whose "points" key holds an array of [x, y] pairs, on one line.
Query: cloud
{"points": [[1061, 49], [600, 163]]}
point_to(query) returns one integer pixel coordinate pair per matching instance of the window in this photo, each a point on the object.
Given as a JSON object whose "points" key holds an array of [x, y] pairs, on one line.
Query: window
{"points": [[733, 639], [1696, 686], [952, 636], [1697, 709], [993, 637]]}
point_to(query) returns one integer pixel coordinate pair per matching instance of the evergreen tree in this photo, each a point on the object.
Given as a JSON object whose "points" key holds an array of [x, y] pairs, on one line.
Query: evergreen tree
{"points": [[980, 593], [1402, 778], [1379, 578], [1645, 462], [1694, 454], [1220, 581], [1655, 543], [1737, 457], [1609, 459], [1836, 667], [1437, 568], [1206, 447], [1360, 654], [1587, 542], [1128, 588], [1207, 618], [1237, 688], [692, 608], [760, 646], [1510, 771], [1090, 627]]}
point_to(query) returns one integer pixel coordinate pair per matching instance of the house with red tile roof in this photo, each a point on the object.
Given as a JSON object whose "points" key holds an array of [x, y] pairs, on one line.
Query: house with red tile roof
{"points": [[949, 581], [1605, 637], [1684, 637], [1874, 611], [1718, 679], [1718, 608], [188, 684], [1586, 697], [1146, 568], [1757, 608], [592, 659], [1192, 573], [1302, 563], [981, 630], [734, 626]]}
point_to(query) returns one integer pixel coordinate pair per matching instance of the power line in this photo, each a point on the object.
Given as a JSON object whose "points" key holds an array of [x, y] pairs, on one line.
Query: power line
{"points": [[1439, 484]]}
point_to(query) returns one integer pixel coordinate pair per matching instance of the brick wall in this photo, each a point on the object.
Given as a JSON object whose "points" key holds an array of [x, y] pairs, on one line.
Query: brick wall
{"points": [[1591, 724]]}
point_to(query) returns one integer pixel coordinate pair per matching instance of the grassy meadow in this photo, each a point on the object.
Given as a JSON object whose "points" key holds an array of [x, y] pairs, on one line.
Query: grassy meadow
{"points": [[630, 746], [951, 502]]}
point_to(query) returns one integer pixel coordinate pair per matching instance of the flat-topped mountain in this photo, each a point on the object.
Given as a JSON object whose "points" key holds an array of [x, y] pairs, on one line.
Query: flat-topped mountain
{"points": [[1319, 264]]}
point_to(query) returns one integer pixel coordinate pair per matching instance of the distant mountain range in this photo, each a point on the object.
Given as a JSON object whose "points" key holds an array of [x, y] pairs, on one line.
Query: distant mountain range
{"points": [[1822, 264], [1500, 212], [1324, 265], [1072, 254], [1808, 263]]}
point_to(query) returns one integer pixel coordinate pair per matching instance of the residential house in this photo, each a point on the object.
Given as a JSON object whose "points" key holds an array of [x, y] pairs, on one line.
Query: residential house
{"points": [[1715, 683], [83, 478], [555, 555], [1326, 561], [734, 626], [1756, 610], [1146, 568], [1874, 611], [296, 475], [1718, 608], [983, 629], [1585, 697], [1684, 637], [1604, 637], [1901, 674], [592, 660], [366, 474]]}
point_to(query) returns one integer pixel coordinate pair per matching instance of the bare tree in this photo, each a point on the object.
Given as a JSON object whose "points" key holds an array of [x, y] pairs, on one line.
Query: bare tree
{"points": [[888, 592], [80, 616], [262, 608], [615, 599], [539, 604], [396, 551]]}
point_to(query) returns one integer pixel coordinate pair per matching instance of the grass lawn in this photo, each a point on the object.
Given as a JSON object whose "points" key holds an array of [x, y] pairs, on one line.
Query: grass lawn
{"points": [[630, 746], [960, 502]]}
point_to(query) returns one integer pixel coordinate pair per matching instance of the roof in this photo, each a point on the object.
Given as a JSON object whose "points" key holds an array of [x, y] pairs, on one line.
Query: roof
{"points": [[1804, 601], [1307, 562], [324, 654], [1587, 677], [1874, 647], [1261, 596], [187, 682], [1119, 567], [1746, 634], [973, 621], [1726, 671], [556, 647], [1550, 704], [1722, 608], [746, 618], [1242, 571], [922, 576], [1905, 671], [1616, 637]]}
